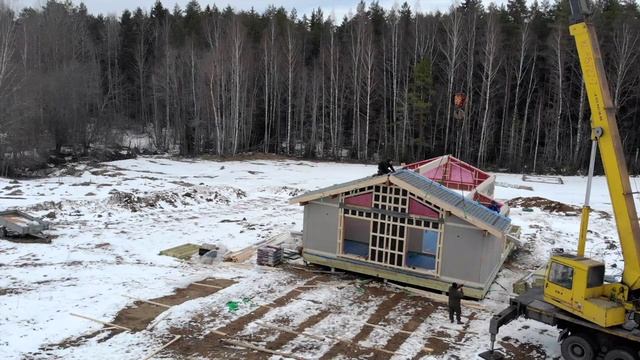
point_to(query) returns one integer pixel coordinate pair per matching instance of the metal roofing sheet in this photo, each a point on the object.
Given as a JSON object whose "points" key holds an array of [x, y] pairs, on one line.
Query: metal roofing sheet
{"points": [[443, 194]]}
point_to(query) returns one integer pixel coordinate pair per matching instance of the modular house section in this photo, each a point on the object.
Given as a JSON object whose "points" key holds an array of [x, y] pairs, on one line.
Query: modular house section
{"points": [[418, 226]]}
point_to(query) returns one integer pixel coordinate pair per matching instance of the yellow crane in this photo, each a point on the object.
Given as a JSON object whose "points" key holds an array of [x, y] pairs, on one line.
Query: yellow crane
{"points": [[596, 318]]}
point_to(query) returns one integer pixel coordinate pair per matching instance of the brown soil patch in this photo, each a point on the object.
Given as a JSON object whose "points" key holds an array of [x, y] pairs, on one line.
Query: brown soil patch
{"points": [[285, 337], [438, 343], [551, 206], [208, 344], [515, 350], [547, 205], [425, 309], [139, 315]]}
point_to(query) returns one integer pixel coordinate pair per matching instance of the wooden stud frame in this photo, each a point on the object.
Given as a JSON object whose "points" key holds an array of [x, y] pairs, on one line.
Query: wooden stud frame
{"points": [[389, 230]]}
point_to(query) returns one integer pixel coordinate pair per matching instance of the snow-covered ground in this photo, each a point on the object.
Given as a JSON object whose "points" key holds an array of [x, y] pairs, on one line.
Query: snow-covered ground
{"points": [[109, 222]]}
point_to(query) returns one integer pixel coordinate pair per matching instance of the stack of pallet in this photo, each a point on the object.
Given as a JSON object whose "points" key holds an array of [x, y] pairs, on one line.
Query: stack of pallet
{"points": [[269, 255]]}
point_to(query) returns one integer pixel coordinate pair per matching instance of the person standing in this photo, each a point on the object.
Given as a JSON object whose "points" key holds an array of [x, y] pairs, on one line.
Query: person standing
{"points": [[455, 296]]}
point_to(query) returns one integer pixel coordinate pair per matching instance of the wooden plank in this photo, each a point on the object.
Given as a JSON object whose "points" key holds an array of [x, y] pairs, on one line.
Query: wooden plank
{"points": [[101, 322], [148, 301], [183, 252], [262, 349], [163, 347], [245, 254], [158, 319], [219, 333], [207, 285]]}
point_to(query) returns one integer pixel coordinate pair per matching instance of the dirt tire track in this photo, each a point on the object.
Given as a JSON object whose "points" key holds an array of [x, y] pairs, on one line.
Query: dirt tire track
{"points": [[139, 315], [210, 345], [420, 316], [381, 312]]}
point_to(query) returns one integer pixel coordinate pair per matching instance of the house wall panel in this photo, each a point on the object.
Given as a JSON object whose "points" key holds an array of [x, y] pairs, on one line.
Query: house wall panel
{"points": [[320, 227], [463, 251], [492, 251]]}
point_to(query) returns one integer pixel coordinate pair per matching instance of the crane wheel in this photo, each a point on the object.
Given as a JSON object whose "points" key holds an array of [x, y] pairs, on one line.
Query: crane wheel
{"points": [[620, 354], [578, 347]]}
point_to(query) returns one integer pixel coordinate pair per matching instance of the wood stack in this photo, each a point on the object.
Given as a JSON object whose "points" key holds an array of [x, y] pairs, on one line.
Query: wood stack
{"points": [[269, 255]]}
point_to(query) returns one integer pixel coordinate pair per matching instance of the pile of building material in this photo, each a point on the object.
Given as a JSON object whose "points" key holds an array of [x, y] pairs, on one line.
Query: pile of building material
{"points": [[269, 255], [18, 224], [182, 252], [286, 239], [543, 179]]}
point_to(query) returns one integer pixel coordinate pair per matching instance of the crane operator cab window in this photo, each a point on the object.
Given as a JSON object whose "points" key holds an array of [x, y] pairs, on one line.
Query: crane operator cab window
{"points": [[595, 276], [561, 275]]}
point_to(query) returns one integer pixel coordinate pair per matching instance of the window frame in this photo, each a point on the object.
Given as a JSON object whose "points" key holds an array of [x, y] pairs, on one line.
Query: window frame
{"points": [[553, 280]]}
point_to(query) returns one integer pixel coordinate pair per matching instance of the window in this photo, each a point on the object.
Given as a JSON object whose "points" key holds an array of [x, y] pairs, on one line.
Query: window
{"points": [[595, 276], [561, 275]]}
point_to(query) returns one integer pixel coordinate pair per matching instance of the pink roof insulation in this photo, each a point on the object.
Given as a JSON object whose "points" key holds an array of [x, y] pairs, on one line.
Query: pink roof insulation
{"points": [[450, 172]]}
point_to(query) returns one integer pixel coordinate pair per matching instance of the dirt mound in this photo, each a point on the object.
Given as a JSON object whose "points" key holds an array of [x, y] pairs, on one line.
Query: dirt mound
{"points": [[547, 205], [194, 195]]}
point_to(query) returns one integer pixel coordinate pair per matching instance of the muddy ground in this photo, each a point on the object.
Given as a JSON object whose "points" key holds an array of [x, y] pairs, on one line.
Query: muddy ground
{"points": [[201, 338]]}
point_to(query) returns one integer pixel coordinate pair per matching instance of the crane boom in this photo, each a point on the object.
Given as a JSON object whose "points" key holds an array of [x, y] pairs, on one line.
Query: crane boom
{"points": [[605, 129]]}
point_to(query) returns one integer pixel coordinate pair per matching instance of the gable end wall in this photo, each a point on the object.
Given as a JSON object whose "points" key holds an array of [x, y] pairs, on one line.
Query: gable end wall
{"points": [[320, 228]]}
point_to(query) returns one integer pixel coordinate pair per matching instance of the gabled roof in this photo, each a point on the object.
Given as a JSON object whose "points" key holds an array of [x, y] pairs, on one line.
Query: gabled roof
{"points": [[442, 196], [450, 200], [451, 172]]}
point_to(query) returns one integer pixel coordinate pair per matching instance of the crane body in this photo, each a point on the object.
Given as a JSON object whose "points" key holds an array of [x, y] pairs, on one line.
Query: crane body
{"points": [[596, 318]]}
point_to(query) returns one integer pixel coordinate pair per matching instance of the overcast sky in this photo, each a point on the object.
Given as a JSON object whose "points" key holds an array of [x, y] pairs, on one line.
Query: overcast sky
{"points": [[340, 7]]}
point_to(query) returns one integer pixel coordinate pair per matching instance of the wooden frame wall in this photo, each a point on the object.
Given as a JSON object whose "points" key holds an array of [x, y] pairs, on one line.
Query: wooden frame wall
{"points": [[394, 202]]}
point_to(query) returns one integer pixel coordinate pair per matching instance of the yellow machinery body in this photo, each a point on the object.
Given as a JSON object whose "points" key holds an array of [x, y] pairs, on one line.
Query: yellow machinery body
{"points": [[575, 283]]}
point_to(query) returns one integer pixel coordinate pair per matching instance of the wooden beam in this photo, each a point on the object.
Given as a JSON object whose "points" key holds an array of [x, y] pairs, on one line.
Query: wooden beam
{"points": [[101, 322], [207, 285], [163, 347], [260, 348], [148, 301], [158, 319]]}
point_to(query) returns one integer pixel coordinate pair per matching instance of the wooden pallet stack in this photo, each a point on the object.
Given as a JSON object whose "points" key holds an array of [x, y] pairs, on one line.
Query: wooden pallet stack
{"points": [[269, 255]]}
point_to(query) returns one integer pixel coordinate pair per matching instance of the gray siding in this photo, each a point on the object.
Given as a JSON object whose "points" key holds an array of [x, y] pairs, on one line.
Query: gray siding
{"points": [[320, 230], [467, 253], [493, 250]]}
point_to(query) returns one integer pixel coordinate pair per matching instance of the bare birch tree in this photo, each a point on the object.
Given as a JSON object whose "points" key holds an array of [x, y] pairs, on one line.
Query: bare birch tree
{"points": [[452, 51]]}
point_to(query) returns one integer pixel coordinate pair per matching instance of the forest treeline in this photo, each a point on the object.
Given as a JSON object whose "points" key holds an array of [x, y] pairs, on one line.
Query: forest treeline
{"points": [[378, 83]]}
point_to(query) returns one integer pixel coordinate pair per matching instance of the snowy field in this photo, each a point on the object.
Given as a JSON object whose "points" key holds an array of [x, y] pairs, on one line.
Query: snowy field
{"points": [[109, 222]]}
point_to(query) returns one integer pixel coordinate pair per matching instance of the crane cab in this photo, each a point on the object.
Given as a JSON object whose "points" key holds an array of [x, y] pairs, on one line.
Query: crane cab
{"points": [[576, 284]]}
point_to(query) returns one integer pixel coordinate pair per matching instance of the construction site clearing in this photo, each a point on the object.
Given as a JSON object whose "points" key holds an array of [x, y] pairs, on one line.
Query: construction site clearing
{"points": [[127, 275]]}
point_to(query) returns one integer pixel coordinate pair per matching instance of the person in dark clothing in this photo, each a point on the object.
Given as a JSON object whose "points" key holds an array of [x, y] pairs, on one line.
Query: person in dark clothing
{"points": [[494, 206], [455, 295], [385, 167]]}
